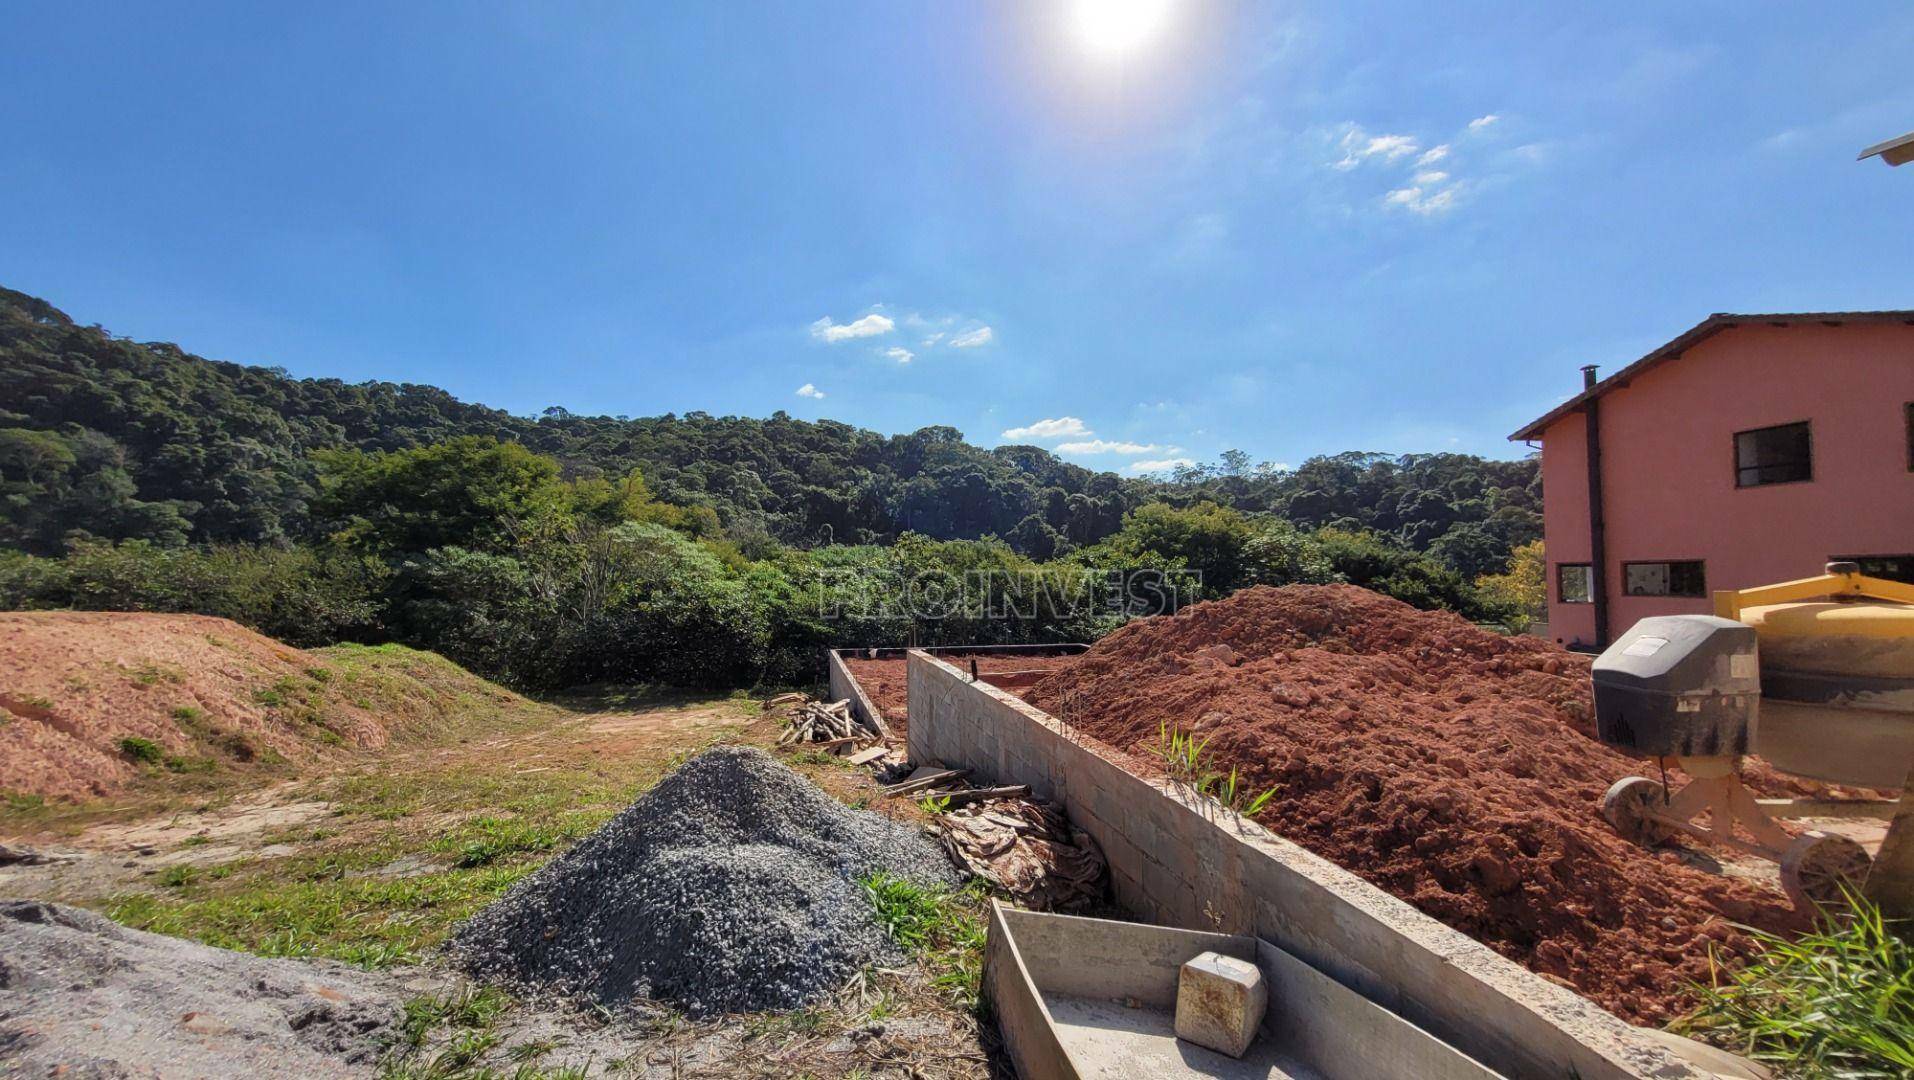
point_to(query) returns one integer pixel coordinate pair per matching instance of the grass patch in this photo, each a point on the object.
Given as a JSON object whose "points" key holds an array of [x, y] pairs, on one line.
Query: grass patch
{"points": [[943, 929], [1838, 1002], [144, 751]]}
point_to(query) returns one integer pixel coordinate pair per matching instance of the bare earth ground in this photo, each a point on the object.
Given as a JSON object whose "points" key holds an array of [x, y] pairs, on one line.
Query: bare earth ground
{"points": [[373, 861]]}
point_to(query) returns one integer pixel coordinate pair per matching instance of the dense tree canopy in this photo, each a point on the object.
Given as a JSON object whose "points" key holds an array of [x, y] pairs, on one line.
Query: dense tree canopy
{"points": [[688, 549], [112, 439]]}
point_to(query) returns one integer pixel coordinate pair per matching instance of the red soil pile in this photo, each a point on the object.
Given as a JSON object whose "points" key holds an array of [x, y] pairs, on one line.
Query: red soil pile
{"points": [[1450, 766], [886, 683], [206, 692]]}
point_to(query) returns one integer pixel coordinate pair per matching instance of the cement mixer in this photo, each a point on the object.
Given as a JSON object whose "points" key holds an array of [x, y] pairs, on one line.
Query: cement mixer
{"points": [[1817, 677]]}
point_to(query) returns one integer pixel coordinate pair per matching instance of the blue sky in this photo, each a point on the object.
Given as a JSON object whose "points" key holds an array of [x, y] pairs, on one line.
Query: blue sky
{"points": [[1288, 228]]}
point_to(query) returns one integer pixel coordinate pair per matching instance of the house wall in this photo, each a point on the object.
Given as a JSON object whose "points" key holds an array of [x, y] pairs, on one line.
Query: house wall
{"points": [[1668, 465]]}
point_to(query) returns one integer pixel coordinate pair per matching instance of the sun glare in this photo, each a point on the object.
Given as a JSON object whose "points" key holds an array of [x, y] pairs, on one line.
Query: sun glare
{"points": [[1116, 27]]}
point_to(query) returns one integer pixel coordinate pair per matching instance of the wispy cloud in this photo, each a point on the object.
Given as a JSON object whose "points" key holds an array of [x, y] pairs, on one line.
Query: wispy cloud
{"points": [[1434, 184], [1061, 427], [1359, 146], [1163, 465], [809, 390], [971, 339], [1106, 446], [900, 354], [1422, 200], [831, 332]]}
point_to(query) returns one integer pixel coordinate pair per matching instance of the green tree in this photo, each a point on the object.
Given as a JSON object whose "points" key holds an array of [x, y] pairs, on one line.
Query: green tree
{"points": [[473, 491]]}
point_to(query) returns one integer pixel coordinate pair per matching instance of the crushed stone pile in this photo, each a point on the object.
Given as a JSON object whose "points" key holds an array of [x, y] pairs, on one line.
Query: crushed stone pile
{"points": [[1453, 767], [732, 886]]}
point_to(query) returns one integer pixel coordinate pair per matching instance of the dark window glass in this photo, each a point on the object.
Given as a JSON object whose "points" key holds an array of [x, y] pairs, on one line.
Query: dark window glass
{"points": [[1773, 455], [1684, 578], [1891, 567], [1574, 583]]}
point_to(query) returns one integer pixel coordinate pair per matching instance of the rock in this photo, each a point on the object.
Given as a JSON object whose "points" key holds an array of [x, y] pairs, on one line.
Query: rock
{"points": [[1220, 1002], [85, 996]]}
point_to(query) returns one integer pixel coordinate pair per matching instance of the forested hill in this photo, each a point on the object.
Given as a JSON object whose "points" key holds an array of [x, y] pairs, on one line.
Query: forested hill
{"points": [[116, 439]]}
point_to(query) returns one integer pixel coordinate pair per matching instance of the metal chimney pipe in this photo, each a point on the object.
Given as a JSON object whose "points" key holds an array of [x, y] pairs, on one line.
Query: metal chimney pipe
{"points": [[1588, 376]]}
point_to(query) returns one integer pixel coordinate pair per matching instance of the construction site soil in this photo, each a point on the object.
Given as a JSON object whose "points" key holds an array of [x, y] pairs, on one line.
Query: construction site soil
{"points": [[885, 680], [1451, 766]]}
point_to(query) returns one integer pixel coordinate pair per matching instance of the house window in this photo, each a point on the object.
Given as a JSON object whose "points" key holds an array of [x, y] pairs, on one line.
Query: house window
{"points": [[1664, 578], [1891, 567], [1574, 583], [1773, 455]]}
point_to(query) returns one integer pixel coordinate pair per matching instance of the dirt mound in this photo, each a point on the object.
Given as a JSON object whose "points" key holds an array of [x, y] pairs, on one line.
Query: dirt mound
{"points": [[1451, 766], [195, 694], [85, 996], [732, 886]]}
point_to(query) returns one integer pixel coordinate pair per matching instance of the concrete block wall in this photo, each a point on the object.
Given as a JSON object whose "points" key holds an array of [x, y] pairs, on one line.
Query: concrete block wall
{"points": [[1180, 860]]}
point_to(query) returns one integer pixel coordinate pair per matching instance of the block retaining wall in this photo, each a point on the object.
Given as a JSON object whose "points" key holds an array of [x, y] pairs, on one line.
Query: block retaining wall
{"points": [[1179, 860]]}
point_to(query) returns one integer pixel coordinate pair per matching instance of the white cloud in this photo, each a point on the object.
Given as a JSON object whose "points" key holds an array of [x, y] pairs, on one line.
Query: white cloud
{"points": [[831, 332], [1430, 177], [1164, 465], [1105, 446], [1482, 122], [809, 390], [970, 339], [1432, 155], [900, 354], [1421, 201], [1359, 146], [1058, 428], [932, 340]]}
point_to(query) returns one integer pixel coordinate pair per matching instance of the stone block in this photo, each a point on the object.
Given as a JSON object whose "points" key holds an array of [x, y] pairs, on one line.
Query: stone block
{"points": [[1220, 1002]]}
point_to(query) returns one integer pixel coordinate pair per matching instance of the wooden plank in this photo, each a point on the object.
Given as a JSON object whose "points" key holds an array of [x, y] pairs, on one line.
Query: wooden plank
{"points": [[919, 780], [868, 755]]}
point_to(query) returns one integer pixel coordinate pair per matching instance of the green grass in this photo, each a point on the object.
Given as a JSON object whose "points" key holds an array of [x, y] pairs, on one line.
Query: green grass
{"points": [[943, 929], [144, 751], [1838, 1002]]}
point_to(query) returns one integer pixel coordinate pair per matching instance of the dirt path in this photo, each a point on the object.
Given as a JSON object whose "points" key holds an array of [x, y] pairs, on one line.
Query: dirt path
{"points": [[373, 860]]}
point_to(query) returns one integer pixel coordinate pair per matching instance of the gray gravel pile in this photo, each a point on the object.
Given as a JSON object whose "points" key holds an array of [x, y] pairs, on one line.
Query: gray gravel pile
{"points": [[732, 886]]}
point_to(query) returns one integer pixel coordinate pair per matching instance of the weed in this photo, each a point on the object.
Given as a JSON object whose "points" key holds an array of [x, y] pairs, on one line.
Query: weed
{"points": [[144, 751], [471, 1007], [934, 804], [195, 840], [20, 802], [189, 715], [178, 875], [1184, 759], [155, 674], [944, 930], [1837, 1002]]}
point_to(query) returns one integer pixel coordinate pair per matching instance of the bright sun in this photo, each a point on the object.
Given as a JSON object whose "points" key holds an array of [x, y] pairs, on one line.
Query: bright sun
{"points": [[1115, 27]]}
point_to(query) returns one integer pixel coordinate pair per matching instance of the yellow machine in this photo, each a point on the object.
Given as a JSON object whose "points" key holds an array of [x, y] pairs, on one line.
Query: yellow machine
{"points": [[1836, 704]]}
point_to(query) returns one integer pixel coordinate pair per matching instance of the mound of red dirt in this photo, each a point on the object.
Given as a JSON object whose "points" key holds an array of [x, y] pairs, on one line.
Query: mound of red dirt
{"points": [[1451, 766], [200, 692]]}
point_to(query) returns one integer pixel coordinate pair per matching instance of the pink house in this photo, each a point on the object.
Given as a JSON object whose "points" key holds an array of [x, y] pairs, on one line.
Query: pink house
{"points": [[1751, 449]]}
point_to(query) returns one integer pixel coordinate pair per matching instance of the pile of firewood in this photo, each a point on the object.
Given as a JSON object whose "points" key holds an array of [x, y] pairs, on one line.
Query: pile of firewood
{"points": [[821, 725]]}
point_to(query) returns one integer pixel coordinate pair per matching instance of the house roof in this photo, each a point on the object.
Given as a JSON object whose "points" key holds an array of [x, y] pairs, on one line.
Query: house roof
{"points": [[1702, 331]]}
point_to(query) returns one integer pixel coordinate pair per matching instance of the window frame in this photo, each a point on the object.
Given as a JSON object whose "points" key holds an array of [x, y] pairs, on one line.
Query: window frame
{"points": [[1670, 564], [1907, 411], [1734, 447], [1906, 557], [1561, 597]]}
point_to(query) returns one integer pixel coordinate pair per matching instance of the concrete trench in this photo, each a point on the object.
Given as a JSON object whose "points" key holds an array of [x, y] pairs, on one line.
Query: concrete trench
{"points": [[1177, 859]]}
